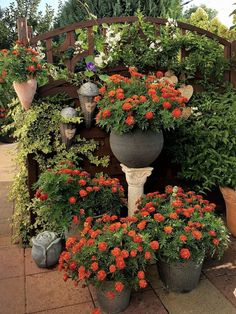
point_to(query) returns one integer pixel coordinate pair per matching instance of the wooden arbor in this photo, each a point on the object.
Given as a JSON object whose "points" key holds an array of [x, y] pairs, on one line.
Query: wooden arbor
{"points": [[25, 34]]}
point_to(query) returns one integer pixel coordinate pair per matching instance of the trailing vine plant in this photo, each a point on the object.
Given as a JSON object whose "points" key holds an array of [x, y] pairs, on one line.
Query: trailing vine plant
{"points": [[37, 132]]}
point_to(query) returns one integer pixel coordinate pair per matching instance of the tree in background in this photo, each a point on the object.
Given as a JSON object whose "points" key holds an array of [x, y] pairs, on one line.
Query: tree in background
{"points": [[201, 19], [210, 12], [76, 10], [41, 22]]}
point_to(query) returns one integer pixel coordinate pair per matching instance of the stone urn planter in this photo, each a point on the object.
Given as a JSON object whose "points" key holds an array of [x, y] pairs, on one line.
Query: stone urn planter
{"points": [[46, 249], [68, 130], [116, 305], [138, 148], [230, 203], [25, 92], [178, 276]]}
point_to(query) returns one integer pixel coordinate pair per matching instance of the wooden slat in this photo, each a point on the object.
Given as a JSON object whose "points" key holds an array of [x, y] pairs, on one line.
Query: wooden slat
{"points": [[233, 60], [90, 40], [227, 51], [49, 52]]}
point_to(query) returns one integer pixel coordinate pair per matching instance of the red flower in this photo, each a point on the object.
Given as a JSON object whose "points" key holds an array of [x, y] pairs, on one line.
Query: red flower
{"points": [[168, 229], [143, 98], [159, 74], [127, 106], [212, 233], [141, 274], [142, 283], [94, 266], [65, 277], [120, 263], [112, 268], [97, 98], [148, 255], [102, 246], [120, 96], [133, 253], [75, 219], [216, 242], [82, 182], [166, 105], [125, 253], [116, 251], [72, 265], [72, 200], [197, 234], [159, 217], [106, 113], [119, 286], [101, 275], [96, 311], [154, 245], [83, 193], [39, 66], [130, 120], [185, 253], [31, 68], [149, 115], [173, 215], [137, 239], [142, 225], [102, 90], [183, 238], [176, 113]]}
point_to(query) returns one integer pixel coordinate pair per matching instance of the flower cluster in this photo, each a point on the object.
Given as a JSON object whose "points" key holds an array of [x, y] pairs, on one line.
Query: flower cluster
{"points": [[20, 63], [146, 102], [3, 113], [70, 194], [111, 249], [184, 224]]}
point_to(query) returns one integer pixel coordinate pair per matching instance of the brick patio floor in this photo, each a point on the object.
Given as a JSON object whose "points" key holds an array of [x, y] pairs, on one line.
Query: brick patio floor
{"points": [[25, 288]]}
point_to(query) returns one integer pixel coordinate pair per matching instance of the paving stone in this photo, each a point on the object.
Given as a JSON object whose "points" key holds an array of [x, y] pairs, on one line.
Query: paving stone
{"points": [[83, 308], [6, 207], [5, 228], [5, 241], [48, 291], [205, 299], [12, 296], [12, 262], [7, 164], [31, 267]]}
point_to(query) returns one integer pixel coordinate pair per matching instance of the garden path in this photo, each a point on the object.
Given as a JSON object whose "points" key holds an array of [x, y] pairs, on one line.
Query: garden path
{"points": [[25, 288]]}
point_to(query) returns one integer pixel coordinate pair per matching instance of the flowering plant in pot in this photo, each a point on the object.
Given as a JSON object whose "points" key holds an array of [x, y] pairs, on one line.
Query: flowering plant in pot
{"points": [[139, 106], [187, 230], [67, 196], [112, 255], [21, 66]]}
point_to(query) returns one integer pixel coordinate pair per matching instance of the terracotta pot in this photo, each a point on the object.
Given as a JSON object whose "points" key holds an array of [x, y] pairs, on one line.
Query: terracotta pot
{"points": [[230, 203], [138, 148], [25, 92]]}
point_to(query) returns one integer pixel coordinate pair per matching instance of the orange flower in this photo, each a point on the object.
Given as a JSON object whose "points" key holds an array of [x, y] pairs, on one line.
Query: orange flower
{"points": [[112, 268], [141, 274], [166, 105], [159, 217], [143, 98], [120, 96], [185, 253], [127, 106], [151, 91], [149, 115], [154, 245], [216, 242], [125, 253], [116, 251], [102, 90], [120, 263], [111, 93], [197, 234], [102, 246], [94, 266], [142, 283], [133, 253], [168, 229], [173, 215], [106, 113], [183, 238], [97, 98], [176, 113], [101, 275], [148, 255], [83, 193], [119, 286], [142, 225], [130, 120]]}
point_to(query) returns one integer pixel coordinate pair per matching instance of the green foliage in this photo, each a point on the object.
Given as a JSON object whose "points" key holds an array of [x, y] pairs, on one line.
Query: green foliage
{"points": [[205, 146], [37, 131], [74, 10], [68, 192], [184, 224], [210, 12]]}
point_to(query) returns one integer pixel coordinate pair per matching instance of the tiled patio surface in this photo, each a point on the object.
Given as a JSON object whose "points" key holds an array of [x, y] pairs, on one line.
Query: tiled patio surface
{"points": [[25, 288]]}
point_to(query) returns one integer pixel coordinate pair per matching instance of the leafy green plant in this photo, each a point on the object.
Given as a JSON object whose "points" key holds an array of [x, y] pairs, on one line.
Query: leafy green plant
{"points": [[68, 194], [37, 133], [184, 224], [205, 146]]}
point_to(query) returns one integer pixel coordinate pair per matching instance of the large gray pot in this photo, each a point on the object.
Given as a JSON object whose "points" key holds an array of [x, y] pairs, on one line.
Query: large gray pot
{"points": [[180, 277], [138, 148], [116, 305]]}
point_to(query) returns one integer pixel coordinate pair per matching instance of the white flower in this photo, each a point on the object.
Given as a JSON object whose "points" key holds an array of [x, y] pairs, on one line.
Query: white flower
{"points": [[152, 46]]}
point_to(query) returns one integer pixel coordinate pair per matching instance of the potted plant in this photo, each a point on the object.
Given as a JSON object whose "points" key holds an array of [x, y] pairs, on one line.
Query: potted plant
{"points": [[67, 196], [112, 255], [136, 110], [21, 65], [207, 145], [187, 230]]}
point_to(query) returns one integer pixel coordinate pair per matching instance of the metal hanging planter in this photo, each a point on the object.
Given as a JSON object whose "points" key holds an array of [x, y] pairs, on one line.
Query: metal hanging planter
{"points": [[68, 130], [86, 93]]}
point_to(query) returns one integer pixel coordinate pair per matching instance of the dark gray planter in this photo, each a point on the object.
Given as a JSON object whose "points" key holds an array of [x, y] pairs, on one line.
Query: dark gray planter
{"points": [[116, 305], [180, 277], [138, 148]]}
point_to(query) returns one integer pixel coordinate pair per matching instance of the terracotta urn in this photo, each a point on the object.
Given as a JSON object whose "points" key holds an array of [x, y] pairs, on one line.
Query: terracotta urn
{"points": [[230, 203], [25, 92]]}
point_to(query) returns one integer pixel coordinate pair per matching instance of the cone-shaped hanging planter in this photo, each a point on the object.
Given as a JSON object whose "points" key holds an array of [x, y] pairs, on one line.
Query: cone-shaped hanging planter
{"points": [[26, 91]]}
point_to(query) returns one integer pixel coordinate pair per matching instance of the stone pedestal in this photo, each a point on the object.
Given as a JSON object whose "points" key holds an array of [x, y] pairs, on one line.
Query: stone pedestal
{"points": [[136, 178]]}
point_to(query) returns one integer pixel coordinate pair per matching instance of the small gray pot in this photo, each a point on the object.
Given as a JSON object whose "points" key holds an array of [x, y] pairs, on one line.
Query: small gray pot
{"points": [[46, 249], [116, 305], [180, 277]]}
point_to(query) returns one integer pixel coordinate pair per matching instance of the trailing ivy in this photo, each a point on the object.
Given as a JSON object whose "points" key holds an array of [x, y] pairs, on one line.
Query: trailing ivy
{"points": [[37, 132]]}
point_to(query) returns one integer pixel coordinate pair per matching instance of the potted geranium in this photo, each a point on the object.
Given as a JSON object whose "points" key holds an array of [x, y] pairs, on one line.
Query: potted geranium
{"points": [[21, 65], [67, 196], [112, 255], [187, 230], [136, 110]]}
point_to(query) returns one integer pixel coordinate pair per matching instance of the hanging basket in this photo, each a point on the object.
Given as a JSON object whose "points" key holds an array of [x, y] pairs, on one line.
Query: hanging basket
{"points": [[25, 92]]}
